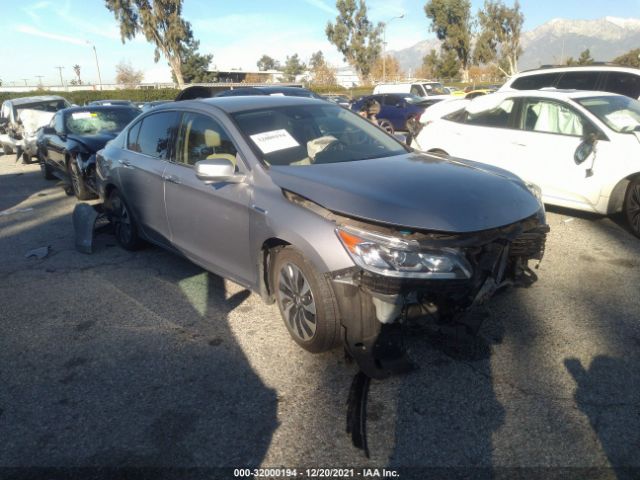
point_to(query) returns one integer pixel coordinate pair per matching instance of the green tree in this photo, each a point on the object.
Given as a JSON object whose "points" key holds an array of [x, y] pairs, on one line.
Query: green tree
{"points": [[355, 37], [292, 67], [585, 58], [127, 75], [317, 59], [268, 63], [499, 38], [451, 21], [195, 66], [445, 65], [629, 59], [76, 70], [161, 23]]}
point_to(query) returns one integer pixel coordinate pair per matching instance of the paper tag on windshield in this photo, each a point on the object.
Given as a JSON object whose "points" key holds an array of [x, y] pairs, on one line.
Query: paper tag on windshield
{"points": [[81, 115], [273, 141]]}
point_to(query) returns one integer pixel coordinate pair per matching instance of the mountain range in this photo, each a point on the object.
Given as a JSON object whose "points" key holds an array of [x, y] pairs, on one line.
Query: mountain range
{"points": [[553, 42]]}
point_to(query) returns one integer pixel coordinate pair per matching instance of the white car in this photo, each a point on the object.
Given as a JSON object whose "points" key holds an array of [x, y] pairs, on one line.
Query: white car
{"points": [[581, 147]]}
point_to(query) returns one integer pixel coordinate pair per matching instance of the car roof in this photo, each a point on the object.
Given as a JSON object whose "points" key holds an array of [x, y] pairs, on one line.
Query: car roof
{"points": [[579, 68], [554, 93], [35, 99], [244, 103], [99, 108]]}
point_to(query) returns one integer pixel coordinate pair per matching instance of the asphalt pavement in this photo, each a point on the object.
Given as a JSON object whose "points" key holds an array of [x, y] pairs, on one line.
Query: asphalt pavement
{"points": [[119, 359]]}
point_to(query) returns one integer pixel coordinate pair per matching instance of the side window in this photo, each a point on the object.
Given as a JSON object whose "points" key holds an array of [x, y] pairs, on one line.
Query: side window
{"points": [[535, 82], [132, 138], [417, 90], [202, 138], [541, 115], [579, 80], [623, 83], [498, 117], [392, 100], [58, 123], [6, 111], [155, 134]]}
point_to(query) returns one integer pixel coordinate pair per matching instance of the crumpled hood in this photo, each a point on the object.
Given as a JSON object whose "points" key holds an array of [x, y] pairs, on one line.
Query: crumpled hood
{"points": [[32, 120], [415, 191], [94, 142]]}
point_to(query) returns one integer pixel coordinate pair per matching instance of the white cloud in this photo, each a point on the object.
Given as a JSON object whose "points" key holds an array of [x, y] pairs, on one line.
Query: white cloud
{"points": [[34, 9], [29, 30], [157, 74], [322, 6]]}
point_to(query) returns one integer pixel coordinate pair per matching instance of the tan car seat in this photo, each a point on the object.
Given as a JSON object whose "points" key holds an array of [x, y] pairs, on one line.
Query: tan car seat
{"points": [[212, 139]]}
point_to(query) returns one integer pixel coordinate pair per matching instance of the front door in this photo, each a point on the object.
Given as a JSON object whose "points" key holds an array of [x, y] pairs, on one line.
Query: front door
{"points": [[550, 134], [209, 222]]}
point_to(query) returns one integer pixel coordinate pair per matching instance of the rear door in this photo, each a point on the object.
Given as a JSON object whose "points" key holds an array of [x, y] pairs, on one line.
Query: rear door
{"points": [[209, 222], [141, 168], [394, 110]]}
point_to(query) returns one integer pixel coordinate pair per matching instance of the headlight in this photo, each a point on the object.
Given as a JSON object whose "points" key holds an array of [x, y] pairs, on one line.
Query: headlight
{"points": [[535, 190], [396, 257]]}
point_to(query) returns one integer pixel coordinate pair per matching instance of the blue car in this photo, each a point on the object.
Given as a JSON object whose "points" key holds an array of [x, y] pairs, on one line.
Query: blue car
{"points": [[396, 109]]}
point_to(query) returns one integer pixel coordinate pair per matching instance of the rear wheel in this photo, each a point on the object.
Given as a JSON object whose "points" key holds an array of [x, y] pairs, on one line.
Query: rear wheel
{"points": [[306, 301], [26, 158], [632, 206], [7, 149], [124, 225]]}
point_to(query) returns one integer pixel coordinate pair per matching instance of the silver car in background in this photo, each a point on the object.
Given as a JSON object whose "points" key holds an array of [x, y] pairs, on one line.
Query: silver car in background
{"points": [[313, 207]]}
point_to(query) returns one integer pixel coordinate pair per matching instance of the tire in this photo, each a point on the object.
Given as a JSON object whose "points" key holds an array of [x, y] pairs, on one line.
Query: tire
{"points": [[7, 149], [311, 317], [45, 169], [124, 225], [78, 185], [26, 158], [386, 125], [632, 206]]}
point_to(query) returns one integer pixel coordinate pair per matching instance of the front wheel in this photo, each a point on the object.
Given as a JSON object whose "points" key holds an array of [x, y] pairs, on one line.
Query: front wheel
{"points": [[306, 301], [387, 126], [124, 225], [632, 206], [78, 184]]}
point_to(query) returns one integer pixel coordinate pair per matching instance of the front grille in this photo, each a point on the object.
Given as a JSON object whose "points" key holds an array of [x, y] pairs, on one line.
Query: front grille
{"points": [[530, 244]]}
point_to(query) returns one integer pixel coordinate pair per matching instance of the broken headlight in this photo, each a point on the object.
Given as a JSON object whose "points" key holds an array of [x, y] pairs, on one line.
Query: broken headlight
{"points": [[397, 257]]}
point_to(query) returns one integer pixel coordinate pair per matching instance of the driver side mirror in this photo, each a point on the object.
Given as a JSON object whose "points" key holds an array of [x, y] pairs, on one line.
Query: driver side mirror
{"points": [[219, 169], [48, 130]]}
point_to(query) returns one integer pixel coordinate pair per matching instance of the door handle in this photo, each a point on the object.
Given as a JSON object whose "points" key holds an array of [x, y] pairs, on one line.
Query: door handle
{"points": [[171, 179], [125, 163], [519, 144]]}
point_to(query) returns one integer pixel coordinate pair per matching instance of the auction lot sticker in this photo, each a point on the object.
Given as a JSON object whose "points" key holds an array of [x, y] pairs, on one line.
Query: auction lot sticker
{"points": [[274, 140]]}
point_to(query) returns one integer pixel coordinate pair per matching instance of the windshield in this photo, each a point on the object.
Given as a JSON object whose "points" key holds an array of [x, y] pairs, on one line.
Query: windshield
{"points": [[435, 89], [621, 114], [92, 122], [410, 97], [304, 135]]}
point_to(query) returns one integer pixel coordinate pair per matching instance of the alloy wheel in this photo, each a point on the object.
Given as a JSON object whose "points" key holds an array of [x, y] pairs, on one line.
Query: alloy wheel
{"points": [[121, 219], [296, 299], [75, 176]]}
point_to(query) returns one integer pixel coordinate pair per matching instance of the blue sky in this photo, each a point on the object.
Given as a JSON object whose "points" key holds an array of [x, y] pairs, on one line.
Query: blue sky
{"points": [[38, 35]]}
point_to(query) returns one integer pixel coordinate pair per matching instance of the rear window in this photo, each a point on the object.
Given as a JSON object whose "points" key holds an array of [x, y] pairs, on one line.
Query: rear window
{"points": [[623, 83], [536, 81], [156, 133]]}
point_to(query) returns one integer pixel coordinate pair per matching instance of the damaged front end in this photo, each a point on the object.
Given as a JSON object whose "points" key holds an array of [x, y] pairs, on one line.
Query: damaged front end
{"points": [[439, 279]]}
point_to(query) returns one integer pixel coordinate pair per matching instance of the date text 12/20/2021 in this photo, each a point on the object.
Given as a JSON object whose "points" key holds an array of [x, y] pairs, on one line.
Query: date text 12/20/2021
{"points": [[313, 473]]}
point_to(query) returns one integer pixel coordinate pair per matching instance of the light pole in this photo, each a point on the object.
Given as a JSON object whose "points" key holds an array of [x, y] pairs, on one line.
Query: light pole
{"points": [[384, 46], [95, 53]]}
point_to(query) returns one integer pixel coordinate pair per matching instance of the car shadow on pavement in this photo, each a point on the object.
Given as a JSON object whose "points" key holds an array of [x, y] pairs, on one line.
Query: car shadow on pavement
{"points": [[136, 370], [447, 408], [608, 393]]}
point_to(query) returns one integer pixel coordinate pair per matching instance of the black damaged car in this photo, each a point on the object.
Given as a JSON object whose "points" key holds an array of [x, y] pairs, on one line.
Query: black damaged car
{"points": [[67, 146]]}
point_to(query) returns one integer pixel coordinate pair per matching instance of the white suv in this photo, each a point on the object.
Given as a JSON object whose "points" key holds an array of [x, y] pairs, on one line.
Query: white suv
{"points": [[606, 78], [581, 148]]}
